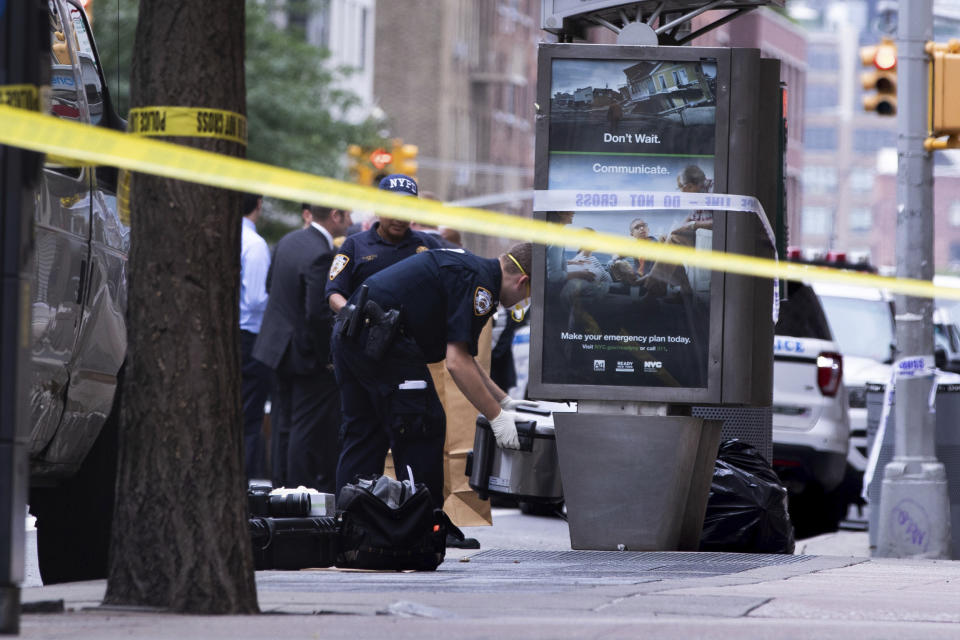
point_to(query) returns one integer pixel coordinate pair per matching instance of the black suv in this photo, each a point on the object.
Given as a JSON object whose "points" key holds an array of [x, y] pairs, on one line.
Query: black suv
{"points": [[78, 330]]}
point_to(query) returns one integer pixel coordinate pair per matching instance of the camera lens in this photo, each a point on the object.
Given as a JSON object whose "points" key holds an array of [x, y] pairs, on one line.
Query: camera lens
{"points": [[290, 505]]}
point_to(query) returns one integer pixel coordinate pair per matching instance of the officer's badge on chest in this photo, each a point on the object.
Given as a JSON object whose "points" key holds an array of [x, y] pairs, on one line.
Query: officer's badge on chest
{"points": [[339, 262], [482, 302]]}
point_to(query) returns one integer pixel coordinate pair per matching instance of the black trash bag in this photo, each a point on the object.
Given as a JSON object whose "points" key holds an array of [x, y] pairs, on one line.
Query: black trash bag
{"points": [[747, 507], [386, 524]]}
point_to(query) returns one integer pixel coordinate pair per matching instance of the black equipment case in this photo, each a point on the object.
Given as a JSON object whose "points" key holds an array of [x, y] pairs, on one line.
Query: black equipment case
{"points": [[294, 543]]}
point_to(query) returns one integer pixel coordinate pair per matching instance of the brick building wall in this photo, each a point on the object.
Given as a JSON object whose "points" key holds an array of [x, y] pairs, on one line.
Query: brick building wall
{"points": [[776, 37], [458, 79]]}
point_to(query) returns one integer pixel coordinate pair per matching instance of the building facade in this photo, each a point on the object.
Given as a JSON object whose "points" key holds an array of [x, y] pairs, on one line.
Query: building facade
{"points": [[850, 160], [842, 141], [946, 209], [345, 28], [457, 78], [776, 37]]}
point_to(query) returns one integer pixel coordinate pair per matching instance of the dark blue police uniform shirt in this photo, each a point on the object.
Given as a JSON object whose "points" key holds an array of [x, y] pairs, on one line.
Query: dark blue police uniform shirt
{"points": [[364, 254], [444, 295]]}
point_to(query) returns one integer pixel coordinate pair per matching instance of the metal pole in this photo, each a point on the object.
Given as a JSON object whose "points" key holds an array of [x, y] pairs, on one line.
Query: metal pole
{"points": [[24, 55], [914, 516]]}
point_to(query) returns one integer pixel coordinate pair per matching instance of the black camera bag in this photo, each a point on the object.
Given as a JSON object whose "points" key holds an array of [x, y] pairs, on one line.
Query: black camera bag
{"points": [[378, 534]]}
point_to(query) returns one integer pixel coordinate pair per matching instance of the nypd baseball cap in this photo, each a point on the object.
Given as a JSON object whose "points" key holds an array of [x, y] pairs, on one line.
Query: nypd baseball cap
{"points": [[400, 184]]}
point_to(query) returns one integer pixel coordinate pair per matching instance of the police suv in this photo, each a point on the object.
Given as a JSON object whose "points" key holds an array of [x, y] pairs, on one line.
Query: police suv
{"points": [[811, 427], [78, 329], [862, 320]]}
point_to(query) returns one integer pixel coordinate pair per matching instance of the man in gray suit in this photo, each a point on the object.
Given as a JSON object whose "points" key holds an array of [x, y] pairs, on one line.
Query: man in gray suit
{"points": [[295, 342]]}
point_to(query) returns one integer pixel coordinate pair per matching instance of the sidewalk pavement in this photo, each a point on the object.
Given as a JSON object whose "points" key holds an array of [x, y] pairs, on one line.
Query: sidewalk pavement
{"points": [[525, 582]]}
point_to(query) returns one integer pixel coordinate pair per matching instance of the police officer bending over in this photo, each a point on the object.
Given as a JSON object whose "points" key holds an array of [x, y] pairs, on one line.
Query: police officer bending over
{"points": [[429, 307]]}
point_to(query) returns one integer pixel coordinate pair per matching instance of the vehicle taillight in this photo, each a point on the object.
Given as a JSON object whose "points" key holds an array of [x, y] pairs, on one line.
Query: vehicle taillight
{"points": [[829, 372]]}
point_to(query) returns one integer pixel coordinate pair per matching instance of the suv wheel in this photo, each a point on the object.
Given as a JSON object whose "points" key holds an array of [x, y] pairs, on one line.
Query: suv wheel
{"points": [[74, 518]]}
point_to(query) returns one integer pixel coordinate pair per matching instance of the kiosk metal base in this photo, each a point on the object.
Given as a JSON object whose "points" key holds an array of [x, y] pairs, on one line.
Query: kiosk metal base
{"points": [[636, 482]]}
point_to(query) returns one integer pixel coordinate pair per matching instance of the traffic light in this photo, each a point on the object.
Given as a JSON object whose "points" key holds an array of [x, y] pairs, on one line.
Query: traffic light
{"points": [[882, 79], [358, 166], [944, 88], [404, 158]]}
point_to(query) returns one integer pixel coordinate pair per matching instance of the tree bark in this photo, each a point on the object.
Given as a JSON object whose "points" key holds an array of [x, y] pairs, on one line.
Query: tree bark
{"points": [[180, 540]]}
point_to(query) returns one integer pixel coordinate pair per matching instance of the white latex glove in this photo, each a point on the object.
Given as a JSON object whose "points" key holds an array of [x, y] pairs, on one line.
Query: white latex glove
{"points": [[509, 404], [505, 430]]}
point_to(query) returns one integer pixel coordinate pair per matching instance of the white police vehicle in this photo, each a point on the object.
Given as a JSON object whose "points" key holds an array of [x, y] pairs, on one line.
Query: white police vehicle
{"points": [[946, 341], [862, 320], [946, 332], [811, 427]]}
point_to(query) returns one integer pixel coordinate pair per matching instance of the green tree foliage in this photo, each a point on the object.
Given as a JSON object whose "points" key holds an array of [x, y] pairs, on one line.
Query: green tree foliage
{"points": [[295, 108], [295, 113]]}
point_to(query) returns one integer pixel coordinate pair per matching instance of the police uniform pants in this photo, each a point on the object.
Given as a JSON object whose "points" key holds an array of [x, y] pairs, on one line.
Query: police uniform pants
{"points": [[388, 404]]}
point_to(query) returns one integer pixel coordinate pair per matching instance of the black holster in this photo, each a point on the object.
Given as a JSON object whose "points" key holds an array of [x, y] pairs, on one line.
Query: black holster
{"points": [[382, 329], [351, 316], [381, 326]]}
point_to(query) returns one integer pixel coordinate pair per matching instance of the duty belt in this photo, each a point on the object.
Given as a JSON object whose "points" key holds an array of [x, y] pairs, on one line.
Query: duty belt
{"points": [[381, 326]]}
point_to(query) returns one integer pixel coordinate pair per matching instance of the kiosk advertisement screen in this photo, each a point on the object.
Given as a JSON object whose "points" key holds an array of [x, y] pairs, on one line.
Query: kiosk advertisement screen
{"points": [[640, 125]]}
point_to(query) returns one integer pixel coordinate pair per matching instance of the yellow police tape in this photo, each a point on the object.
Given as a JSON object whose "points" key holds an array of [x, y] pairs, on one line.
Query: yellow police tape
{"points": [[27, 96], [188, 122], [102, 146], [23, 96]]}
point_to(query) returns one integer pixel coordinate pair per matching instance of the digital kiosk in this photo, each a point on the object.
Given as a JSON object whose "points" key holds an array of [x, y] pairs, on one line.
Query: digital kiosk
{"points": [[635, 342]]}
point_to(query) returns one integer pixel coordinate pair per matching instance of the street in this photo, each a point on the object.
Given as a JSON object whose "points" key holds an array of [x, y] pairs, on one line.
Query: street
{"points": [[526, 582]]}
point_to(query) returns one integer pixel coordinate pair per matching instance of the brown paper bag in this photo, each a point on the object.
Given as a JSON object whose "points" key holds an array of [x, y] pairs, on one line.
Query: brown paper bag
{"points": [[460, 501]]}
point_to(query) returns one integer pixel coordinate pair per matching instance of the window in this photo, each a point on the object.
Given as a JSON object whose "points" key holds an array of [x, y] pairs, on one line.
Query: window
{"points": [[861, 180], [820, 138], [819, 179], [507, 98], [663, 82], [871, 140], [363, 38], [297, 15], [64, 97], [88, 70], [821, 96], [864, 328], [801, 315], [817, 221], [953, 214], [860, 219], [319, 27], [823, 59]]}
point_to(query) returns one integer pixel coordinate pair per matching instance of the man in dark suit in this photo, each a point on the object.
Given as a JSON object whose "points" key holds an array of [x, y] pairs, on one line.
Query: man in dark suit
{"points": [[295, 342]]}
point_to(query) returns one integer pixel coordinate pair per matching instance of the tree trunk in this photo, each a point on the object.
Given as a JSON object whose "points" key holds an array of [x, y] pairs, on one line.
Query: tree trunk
{"points": [[180, 539]]}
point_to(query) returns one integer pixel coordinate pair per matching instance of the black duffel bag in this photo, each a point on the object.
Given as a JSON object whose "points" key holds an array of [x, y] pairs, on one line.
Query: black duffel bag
{"points": [[386, 524]]}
